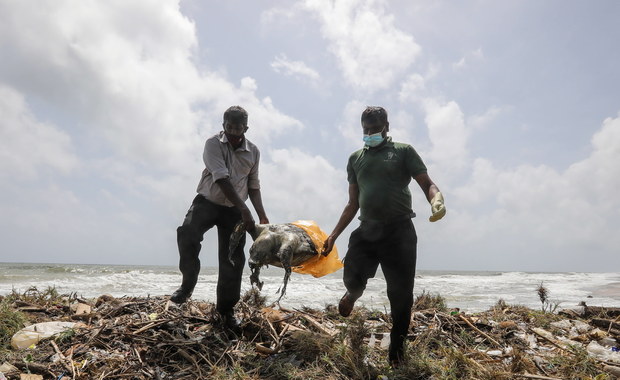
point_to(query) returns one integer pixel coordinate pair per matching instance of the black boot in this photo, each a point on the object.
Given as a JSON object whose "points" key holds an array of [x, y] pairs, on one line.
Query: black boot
{"points": [[396, 354], [345, 306], [181, 295], [230, 323]]}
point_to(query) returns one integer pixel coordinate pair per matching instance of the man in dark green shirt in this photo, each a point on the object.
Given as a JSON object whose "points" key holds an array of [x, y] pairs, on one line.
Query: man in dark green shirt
{"points": [[379, 175]]}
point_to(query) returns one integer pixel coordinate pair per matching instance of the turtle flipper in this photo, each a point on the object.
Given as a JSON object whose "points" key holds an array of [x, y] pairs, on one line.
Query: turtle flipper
{"points": [[285, 257], [254, 280], [235, 238]]}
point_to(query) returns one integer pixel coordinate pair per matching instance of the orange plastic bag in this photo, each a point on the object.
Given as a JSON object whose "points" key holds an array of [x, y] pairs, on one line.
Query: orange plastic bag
{"points": [[318, 265]]}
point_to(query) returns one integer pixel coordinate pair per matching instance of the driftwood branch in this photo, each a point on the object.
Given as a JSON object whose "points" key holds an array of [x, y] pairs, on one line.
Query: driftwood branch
{"points": [[487, 337]]}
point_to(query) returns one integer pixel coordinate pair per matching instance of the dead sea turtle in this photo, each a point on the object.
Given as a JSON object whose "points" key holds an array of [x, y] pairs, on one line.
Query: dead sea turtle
{"points": [[282, 245]]}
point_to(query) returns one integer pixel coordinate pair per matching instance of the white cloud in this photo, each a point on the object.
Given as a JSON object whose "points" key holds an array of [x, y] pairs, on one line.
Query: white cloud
{"points": [[123, 71], [448, 135], [296, 69], [121, 80], [402, 126], [412, 88], [126, 72], [27, 145], [472, 56], [277, 14], [296, 185], [137, 83], [460, 64], [531, 217], [483, 120], [372, 53], [350, 127], [597, 176]]}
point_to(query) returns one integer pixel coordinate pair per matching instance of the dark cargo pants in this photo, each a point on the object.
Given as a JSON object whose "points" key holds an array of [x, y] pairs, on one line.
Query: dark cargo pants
{"points": [[394, 246], [201, 217]]}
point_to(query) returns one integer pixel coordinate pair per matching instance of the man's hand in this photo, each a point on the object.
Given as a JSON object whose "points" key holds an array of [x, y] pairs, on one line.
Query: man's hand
{"points": [[230, 193], [263, 220], [328, 245], [437, 207], [248, 220]]}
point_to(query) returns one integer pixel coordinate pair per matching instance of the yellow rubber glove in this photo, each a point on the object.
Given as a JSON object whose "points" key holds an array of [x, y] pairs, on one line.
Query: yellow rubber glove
{"points": [[437, 207]]}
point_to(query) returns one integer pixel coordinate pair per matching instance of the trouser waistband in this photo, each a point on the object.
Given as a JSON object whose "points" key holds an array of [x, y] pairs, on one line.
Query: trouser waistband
{"points": [[396, 219]]}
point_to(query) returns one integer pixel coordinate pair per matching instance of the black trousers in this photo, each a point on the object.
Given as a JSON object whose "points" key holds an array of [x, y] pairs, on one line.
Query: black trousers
{"points": [[394, 246], [201, 217]]}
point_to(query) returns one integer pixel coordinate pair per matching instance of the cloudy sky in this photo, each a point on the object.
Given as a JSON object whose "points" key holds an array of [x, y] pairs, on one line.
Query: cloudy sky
{"points": [[513, 105]]}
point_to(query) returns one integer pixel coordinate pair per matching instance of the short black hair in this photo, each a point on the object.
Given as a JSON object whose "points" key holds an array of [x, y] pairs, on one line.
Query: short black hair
{"points": [[235, 115], [374, 114]]}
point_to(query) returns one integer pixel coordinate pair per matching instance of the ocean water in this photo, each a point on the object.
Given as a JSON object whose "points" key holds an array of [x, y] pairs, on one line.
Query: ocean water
{"points": [[469, 291]]}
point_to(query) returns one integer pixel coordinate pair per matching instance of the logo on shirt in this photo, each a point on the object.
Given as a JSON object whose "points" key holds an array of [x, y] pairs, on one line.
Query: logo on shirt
{"points": [[391, 156]]}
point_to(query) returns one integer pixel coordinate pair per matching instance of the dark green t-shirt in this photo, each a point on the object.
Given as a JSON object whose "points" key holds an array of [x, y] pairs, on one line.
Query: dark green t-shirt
{"points": [[383, 175]]}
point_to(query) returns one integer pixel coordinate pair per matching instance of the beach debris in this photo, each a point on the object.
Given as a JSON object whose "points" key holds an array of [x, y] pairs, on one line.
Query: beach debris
{"points": [[292, 246], [603, 353], [612, 370], [29, 376], [80, 308], [32, 334], [147, 338], [7, 369]]}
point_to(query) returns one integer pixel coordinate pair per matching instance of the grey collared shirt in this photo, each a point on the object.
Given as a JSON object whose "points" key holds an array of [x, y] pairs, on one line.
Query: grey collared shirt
{"points": [[239, 165]]}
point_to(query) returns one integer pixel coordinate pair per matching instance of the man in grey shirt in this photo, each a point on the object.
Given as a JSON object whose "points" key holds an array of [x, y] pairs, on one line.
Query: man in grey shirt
{"points": [[229, 178]]}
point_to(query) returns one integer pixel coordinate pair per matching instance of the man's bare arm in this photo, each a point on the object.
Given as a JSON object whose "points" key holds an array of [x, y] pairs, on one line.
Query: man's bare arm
{"points": [[349, 212], [231, 195], [427, 185], [257, 202], [433, 195]]}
